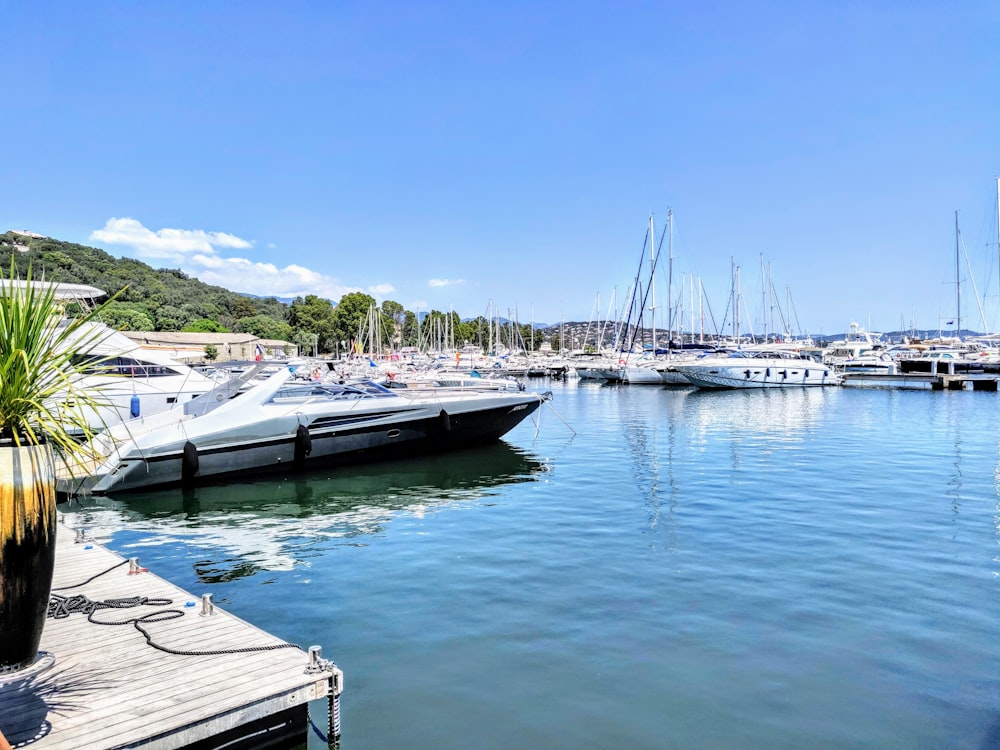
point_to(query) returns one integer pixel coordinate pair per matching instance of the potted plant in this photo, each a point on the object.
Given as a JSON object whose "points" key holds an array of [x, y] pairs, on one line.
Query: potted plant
{"points": [[40, 409]]}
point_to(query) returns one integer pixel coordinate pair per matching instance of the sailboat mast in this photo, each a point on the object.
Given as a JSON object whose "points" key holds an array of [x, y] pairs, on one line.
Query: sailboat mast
{"points": [[701, 315], [732, 291], [958, 283], [670, 278], [652, 285], [690, 307], [763, 295]]}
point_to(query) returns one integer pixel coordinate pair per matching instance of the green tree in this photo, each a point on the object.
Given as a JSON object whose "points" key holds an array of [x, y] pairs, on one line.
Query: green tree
{"points": [[312, 316], [410, 327], [211, 352], [393, 318], [241, 307], [350, 313], [128, 316], [478, 329], [531, 339], [264, 327], [168, 318], [305, 342], [204, 325]]}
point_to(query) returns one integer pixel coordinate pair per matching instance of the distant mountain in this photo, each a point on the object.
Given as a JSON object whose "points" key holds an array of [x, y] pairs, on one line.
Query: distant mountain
{"points": [[285, 300], [507, 321]]}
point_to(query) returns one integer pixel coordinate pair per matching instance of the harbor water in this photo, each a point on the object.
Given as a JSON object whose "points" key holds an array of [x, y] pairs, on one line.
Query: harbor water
{"points": [[638, 567]]}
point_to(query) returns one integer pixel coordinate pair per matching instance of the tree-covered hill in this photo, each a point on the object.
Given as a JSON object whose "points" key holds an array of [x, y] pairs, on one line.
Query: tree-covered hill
{"points": [[153, 299], [168, 300]]}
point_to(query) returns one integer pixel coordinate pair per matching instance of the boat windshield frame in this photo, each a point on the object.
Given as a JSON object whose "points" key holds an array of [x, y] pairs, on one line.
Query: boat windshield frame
{"points": [[766, 354], [297, 391]]}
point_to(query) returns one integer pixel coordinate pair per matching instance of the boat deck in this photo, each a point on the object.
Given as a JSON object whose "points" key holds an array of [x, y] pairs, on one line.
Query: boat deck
{"points": [[106, 687]]}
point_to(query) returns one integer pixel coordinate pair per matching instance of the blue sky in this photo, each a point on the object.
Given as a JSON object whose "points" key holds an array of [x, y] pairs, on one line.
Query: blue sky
{"points": [[458, 155]]}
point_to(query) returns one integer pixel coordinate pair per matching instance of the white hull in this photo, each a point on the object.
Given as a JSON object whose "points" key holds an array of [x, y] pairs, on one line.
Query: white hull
{"points": [[670, 376], [114, 396], [127, 380], [641, 375], [758, 372]]}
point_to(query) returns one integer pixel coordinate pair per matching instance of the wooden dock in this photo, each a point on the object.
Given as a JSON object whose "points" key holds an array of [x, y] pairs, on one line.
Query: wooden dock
{"points": [[969, 381], [106, 687]]}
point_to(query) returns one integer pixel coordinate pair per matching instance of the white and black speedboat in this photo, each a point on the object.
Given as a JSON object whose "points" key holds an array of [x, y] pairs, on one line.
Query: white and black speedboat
{"points": [[285, 425], [758, 368]]}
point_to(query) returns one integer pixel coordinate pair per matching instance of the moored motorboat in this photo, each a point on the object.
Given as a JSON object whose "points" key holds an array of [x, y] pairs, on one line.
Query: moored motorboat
{"points": [[641, 371], [124, 379], [758, 368], [129, 381], [876, 361], [284, 424]]}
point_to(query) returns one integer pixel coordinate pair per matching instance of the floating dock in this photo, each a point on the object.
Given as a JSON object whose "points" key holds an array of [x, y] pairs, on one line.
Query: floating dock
{"points": [[964, 381], [220, 682]]}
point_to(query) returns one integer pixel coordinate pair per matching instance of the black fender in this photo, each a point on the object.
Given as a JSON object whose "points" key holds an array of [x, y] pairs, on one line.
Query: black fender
{"points": [[303, 444], [189, 462]]}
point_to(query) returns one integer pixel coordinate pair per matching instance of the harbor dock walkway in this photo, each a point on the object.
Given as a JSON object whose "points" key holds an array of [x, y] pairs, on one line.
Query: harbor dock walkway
{"points": [[969, 381], [100, 686]]}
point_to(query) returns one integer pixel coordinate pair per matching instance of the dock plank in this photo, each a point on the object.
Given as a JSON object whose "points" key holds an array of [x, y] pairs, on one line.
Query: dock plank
{"points": [[109, 689]]}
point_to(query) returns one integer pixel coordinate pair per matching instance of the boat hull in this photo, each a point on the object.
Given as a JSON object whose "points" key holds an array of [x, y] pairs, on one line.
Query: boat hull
{"points": [[284, 446], [634, 375], [758, 375]]}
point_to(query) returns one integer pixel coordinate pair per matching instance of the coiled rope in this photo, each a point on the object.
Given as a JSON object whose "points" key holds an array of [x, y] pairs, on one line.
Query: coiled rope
{"points": [[63, 606]]}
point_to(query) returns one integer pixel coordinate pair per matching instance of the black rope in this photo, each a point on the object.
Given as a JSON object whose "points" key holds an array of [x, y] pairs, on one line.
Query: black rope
{"points": [[96, 575], [61, 607]]}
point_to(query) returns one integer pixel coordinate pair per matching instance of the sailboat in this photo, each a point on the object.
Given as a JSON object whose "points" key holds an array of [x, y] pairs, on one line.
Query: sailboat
{"points": [[641, 369]]}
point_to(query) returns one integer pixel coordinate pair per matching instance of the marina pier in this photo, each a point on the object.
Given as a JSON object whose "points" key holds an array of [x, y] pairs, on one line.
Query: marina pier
{"points": [[129, 660]]}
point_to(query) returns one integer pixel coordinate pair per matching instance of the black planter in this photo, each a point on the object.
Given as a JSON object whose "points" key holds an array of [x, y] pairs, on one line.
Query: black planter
{"points": [[27, 550]]}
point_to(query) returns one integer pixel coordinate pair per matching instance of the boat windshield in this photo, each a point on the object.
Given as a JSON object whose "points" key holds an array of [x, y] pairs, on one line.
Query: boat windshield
{"points": [[331, 391], [129, 367], [765, 354]]}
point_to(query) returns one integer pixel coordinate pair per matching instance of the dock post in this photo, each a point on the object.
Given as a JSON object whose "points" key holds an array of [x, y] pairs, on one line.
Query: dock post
{"points": [[336, 686]]}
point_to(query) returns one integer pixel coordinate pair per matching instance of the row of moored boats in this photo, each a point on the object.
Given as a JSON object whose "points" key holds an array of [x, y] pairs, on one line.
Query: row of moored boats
{"points": [[164, 422]]}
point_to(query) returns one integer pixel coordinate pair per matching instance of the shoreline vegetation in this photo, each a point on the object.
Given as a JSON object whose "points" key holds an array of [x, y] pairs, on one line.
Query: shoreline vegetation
{"points": [[168, 300]]}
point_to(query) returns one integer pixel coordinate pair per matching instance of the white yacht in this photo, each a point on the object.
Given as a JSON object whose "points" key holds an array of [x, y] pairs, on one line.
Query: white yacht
{"points": [[878, 361], [124, 379], [641, 371], [857, 343], [129, 381], [758, 368]]}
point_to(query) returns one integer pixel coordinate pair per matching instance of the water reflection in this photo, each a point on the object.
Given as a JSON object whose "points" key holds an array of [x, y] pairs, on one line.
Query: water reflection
{"points": [[778, 413], [273, 523], [650, 420], [676, 439]]}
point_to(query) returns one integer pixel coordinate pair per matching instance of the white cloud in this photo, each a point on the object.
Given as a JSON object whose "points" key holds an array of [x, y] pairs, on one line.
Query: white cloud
{"points": [[267, 280], [445, 282], [195, 253], [169, 244]]}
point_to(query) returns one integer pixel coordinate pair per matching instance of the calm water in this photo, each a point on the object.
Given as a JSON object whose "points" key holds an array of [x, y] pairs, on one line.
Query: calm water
{"points": [[788, 569]]}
